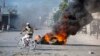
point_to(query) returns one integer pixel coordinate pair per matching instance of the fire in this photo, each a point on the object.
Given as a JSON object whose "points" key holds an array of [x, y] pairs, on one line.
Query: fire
{"points": [[61, 30], [59, 34], [59, 38]]}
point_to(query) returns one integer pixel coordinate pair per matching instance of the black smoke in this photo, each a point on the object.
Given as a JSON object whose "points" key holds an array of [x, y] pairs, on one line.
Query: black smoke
{"points": [[77, 15], [77, 9], [92, 5]]}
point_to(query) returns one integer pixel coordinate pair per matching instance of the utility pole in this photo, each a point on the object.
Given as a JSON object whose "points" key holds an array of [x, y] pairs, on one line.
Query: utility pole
{"points": [[3, 5], [0, 15]]}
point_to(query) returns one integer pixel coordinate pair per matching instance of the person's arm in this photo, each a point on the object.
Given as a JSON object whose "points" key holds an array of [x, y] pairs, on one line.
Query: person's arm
{"points": [[23, 30]]}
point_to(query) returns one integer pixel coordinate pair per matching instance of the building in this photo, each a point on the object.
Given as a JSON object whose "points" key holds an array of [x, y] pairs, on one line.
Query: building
{"points": [[8, 14], [19, 12], [94, 27]]}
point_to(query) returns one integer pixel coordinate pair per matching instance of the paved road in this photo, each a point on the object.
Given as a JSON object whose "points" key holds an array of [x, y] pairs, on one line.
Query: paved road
{"points": [[50, 50], [89, 46]]}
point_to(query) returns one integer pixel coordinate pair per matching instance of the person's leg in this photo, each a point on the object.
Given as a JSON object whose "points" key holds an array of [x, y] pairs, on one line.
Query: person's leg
{"points": [[25, 40]]}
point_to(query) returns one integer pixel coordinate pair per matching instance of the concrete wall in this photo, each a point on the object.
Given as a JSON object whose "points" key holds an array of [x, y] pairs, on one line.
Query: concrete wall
{"points": [[95, 16]]}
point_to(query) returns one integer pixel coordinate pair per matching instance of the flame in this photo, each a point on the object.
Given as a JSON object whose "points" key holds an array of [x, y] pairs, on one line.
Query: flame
{"points": [[60, 37], [59, 34]]}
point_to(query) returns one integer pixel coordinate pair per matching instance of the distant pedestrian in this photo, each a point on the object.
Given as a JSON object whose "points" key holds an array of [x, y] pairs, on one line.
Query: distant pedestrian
{"points": [[3, 27], [8, 27]]}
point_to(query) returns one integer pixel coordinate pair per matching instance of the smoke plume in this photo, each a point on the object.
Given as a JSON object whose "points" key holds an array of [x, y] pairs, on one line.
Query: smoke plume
{"points": [[77, 15]]}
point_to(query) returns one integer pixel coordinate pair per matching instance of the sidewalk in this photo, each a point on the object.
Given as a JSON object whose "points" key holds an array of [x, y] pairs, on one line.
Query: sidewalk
{"points": [[0, 31]]}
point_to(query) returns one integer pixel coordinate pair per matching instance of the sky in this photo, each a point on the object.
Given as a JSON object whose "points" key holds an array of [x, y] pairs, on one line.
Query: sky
{"points": [[31, 10]]}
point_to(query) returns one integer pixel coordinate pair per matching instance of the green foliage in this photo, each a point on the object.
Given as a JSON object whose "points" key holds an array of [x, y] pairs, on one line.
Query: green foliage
{"points": [[57, 15], [62, 7]]}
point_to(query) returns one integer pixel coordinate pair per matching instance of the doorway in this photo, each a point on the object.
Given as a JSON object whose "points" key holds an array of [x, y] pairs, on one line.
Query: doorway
{"points": [[5, 21]]}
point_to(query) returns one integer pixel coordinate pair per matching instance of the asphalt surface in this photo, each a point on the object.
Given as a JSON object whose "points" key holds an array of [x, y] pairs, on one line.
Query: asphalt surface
{"points": [[76, 46]]}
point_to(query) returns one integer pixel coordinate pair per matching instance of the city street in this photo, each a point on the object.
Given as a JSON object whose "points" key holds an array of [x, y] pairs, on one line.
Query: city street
{"points": [[79, 45], [66, 17]]}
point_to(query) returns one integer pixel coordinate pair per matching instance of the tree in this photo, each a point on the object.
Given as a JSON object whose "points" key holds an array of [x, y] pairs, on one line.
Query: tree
{"points": [[57, 15], [62, 7]]}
